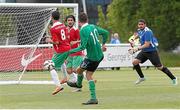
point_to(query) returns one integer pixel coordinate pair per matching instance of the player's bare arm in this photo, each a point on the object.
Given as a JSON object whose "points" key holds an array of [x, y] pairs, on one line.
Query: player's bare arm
{"points": [[49, 40], [74, 42], [145, 45]]}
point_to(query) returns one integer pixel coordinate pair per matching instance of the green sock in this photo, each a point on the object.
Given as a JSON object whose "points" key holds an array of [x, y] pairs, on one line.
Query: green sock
{"points": [[79, 79], [92, 89]]}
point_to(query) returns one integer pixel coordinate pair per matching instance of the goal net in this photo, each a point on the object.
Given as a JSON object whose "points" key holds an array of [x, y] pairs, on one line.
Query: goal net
{"points": [[22, 46]]}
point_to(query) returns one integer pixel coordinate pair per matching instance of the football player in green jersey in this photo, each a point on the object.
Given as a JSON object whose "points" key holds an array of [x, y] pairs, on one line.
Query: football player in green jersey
{"points": [[89, 34]]}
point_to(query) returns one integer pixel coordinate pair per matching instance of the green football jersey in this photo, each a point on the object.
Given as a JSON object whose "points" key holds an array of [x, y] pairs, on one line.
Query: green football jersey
{"points": [[89, 34]]}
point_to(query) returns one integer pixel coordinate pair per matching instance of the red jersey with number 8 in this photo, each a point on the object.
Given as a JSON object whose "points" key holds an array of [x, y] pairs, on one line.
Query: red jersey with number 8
{"points": [[58, 33]]}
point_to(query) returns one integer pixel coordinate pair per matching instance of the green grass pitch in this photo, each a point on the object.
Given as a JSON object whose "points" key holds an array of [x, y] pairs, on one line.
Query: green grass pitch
{"points": [[115, 90]]}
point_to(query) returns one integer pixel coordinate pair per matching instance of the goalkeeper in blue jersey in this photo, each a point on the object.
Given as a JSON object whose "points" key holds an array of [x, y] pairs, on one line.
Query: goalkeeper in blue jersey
{"points": [[149, 51], [89, 34]]}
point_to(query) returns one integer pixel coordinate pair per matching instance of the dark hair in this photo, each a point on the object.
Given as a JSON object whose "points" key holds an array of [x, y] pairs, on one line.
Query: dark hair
{"points": [[83, 17], [56, 15], [70, 16], [142, 20]]}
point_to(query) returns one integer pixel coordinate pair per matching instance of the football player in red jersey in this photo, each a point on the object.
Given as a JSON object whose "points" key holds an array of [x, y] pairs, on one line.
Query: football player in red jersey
{"points": [[75, 59], [61, 47]]}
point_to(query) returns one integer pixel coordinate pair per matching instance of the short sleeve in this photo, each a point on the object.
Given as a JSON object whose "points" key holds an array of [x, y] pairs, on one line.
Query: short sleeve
{"points": [[148, 36], [54, 36]]}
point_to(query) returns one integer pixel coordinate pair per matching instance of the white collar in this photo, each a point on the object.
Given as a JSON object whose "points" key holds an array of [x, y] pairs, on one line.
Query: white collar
{"points": [[73, 28], [56, 23], [146, 29]]}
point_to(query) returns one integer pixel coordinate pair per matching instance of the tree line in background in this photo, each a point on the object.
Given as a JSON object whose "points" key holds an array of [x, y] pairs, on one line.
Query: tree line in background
{"points": [[162, 16]]}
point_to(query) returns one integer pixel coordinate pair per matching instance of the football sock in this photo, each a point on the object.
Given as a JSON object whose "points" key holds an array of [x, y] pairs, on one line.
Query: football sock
{"points": [[168, 73], [139, 71], [73, 77], [63, 69], [74, 74], [55, 77], [79, 79], [92, 89], [84, 73]]}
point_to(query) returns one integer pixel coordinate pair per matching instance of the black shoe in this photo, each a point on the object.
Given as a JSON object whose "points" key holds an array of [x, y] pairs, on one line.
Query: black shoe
{"points": [[91, 102], [71, 84]]}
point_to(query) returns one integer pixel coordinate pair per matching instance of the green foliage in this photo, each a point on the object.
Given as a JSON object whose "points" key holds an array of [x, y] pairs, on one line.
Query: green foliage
{"points": [[102, 21], [7, 26], [162, 17], [170, 59], [65, 12], [121, 17]]}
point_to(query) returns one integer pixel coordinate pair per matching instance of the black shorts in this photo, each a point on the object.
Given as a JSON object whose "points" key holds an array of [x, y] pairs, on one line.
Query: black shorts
{"points": [[152, 56], [90, 65]]}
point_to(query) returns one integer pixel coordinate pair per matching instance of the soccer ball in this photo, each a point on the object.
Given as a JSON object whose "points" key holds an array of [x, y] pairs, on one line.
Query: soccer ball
{"points": [[48, 64]]}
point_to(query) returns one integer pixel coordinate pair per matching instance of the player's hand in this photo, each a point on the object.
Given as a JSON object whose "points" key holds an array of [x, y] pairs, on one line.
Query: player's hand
{"points": [[132, 43], [104, 48], [133, 50], [74, 42], [48, 40]]}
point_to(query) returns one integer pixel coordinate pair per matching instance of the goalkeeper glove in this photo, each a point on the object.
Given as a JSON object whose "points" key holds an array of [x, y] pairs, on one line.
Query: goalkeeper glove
{"points": [[133, 50]]}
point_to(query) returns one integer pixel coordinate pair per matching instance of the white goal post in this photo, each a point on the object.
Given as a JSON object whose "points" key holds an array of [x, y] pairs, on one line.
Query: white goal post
{"points": [[23, 25]]}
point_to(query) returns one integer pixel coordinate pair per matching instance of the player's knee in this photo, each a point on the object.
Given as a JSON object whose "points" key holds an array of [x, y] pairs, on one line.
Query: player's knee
{"points": [[79, 70], [74, 70], [135, 62], [89, 75], [69, 71], [160, 67]]}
